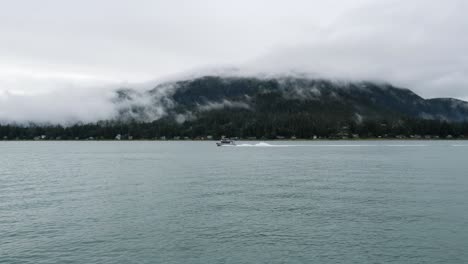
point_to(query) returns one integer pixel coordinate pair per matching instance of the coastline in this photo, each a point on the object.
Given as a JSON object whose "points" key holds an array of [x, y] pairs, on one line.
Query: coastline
{"points": [[238, 140]]}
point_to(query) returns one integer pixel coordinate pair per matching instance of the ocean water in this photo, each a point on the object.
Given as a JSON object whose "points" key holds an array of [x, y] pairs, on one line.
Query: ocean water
{"points": [[193, 202]]}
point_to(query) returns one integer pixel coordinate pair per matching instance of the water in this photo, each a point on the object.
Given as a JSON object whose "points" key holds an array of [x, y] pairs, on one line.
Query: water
{"points": [[192, 202]]}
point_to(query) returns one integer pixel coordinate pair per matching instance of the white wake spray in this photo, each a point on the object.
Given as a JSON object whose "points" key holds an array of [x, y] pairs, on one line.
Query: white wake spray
{"points": [[267, 145]]}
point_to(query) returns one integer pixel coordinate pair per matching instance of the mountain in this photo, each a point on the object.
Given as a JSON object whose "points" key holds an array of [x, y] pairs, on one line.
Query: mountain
{"points": [[266, 108], [285, 98]]}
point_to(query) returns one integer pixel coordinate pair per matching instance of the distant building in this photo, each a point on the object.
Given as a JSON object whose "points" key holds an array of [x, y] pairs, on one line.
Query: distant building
{"points": [[118, 137], [209, 137]]}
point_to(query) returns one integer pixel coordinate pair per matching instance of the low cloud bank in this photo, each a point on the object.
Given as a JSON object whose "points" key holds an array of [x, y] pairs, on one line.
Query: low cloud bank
{"points": [[416, 44], [57, 107]]}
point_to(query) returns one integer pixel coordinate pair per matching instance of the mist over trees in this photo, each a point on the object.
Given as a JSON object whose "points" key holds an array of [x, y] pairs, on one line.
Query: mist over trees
{"points": [[250, 108]]}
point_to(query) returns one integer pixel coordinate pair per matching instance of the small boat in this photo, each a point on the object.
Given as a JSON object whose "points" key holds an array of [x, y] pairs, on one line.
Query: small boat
{"points": [[225, 142]]}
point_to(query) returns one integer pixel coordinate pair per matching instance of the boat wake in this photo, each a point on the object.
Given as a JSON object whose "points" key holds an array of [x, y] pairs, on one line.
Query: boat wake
{"points": [[263, 144], [267, 145]]}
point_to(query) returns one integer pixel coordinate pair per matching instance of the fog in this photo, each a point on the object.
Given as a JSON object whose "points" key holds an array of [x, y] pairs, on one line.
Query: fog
{"points": [[61, 62]]}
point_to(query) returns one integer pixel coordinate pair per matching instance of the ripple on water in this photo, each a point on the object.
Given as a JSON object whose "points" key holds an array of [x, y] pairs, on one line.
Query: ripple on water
{"points": [[187, 202]]}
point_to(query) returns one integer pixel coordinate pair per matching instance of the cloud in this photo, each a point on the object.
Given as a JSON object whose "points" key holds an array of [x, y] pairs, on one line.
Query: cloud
{"points": [[56, 106], [55, 98], [142, 104], [222, 104], [417, 44], [61, 61]]}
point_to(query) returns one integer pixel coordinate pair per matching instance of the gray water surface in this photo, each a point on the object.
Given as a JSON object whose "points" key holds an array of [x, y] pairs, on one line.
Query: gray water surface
{"points": [[192, 202]]}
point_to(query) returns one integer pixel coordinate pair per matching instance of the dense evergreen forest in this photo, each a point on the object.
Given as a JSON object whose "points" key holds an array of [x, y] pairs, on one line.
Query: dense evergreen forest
{"points": [[219, 124], [251, 108]]}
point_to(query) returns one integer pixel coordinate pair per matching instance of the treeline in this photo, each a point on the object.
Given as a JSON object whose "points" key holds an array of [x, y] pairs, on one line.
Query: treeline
{"points": [[241, 125], [249, 108]]}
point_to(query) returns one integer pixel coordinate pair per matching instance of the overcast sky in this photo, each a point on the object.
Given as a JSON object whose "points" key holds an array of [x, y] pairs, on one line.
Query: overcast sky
{"points": [[59, 45]]}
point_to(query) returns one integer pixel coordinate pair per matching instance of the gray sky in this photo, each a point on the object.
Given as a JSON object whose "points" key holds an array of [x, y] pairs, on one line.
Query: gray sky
{"points": [[55, 46]]}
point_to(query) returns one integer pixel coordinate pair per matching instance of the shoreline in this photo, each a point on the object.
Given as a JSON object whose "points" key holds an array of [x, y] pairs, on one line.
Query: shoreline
{"points": [[239, 140]]}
